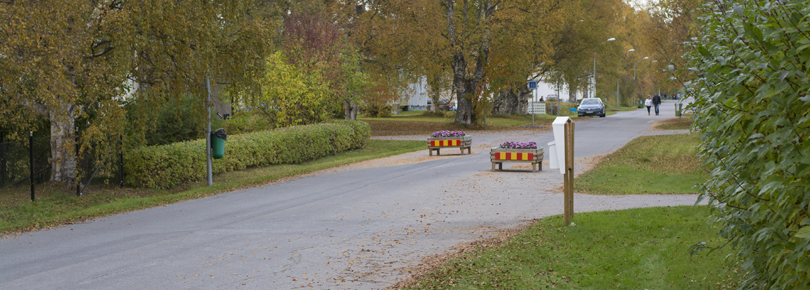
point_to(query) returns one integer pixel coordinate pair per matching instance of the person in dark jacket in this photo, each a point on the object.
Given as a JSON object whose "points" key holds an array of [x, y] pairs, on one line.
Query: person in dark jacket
{"points": [[656, 101]]}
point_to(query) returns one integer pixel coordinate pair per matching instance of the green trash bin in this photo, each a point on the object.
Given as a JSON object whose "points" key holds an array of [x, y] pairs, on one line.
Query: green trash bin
{"points": [[640, 104], [218, 143]]}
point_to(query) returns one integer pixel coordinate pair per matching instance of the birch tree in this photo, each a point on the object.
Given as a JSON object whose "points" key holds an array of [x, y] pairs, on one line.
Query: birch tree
{"points": [[70, 60]]}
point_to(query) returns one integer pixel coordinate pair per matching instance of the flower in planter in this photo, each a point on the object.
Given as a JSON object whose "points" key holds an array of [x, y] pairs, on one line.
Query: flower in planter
{"points": [[519, 145], [446, 133]]}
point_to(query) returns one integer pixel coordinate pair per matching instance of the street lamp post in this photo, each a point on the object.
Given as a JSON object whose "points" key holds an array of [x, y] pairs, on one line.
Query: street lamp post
{"points": [[618, 77], [594, 67], [634, 67]]}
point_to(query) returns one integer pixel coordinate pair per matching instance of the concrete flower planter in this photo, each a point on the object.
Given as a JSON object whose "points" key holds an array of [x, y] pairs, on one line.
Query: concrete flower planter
{"points": [[438, 143], [499, 155]]}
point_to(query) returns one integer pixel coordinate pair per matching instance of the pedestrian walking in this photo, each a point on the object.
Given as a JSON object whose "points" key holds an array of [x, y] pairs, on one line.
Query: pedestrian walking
{"points": [[648, 103], [656, 100]]}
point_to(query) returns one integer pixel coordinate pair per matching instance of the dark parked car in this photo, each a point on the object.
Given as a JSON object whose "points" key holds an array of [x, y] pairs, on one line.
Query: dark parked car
{"points": [[591, 106]]}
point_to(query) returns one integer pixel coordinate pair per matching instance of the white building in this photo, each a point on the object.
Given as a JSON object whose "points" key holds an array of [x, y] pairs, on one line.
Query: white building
{"points": [[544, 89]]}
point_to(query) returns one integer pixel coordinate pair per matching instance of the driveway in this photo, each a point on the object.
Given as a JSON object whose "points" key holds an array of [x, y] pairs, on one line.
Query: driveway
{"points": [[353, 227]]}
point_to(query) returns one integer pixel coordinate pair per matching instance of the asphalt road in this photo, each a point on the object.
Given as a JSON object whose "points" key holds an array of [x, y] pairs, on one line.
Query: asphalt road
{"points": [[357, 227]]}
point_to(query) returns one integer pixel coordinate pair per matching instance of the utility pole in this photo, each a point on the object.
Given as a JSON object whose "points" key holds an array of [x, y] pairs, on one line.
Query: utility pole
{"points": [[209, 167]]}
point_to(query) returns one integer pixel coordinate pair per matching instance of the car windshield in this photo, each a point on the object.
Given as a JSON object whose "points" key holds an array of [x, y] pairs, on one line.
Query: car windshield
{"points": [[590, 102]]}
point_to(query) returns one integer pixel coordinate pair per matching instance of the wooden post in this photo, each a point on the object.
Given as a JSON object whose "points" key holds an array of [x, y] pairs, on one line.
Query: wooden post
{"points": [[568, 184]]}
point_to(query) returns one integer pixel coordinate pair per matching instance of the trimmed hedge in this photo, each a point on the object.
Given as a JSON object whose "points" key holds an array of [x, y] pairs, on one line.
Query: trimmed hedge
{"points": [[168, 165]]}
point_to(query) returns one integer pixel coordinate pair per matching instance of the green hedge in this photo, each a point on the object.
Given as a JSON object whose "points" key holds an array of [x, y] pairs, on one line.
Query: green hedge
{"points": [[168, 165]]}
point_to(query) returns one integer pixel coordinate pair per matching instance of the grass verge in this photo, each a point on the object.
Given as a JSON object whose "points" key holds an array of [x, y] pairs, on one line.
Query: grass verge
{"points": [[646, 248], [54, 206], [683, 123], [647, 165]]}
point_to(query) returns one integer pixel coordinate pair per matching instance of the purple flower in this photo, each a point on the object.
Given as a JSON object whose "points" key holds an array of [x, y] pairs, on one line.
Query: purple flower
{"points": [[446, 133], [519, 145]]}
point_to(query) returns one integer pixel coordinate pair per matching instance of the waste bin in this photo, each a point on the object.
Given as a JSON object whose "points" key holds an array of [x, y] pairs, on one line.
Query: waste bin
{"points": [[640, 104], [218, 143]]}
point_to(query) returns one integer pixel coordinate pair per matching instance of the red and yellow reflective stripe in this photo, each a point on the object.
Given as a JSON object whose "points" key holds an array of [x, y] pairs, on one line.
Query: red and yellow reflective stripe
{"points": [[514, 156], [440, 143]]}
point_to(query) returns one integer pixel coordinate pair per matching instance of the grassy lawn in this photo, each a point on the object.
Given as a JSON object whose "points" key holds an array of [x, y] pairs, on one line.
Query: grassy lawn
{"points": [[647, 165], [629, 249], [55, 206]]}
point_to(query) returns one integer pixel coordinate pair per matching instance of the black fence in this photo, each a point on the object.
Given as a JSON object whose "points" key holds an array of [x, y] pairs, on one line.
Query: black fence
{"points": [[15, 161], [97, 165]]}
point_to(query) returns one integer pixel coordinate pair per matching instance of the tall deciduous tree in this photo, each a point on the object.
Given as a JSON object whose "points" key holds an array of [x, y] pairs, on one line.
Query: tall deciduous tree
{"points": [[70, 60]]}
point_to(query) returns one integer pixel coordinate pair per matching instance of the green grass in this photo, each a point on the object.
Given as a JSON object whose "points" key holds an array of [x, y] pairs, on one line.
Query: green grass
{"points": [[629, 249], [54, 206], [647, 165], [683, 123]]}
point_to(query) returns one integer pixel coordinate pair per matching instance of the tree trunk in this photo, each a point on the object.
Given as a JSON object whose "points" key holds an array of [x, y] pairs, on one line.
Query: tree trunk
{"points": [[466, 87], [63, 158], [434, 92], [512, 102], [572, 93], [349, 110]]}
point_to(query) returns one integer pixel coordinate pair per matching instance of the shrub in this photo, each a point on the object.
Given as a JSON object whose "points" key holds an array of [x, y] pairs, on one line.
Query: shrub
{"points": [[162, 119], [376, 110], [169, 165], [243, 122], [751, 106]]}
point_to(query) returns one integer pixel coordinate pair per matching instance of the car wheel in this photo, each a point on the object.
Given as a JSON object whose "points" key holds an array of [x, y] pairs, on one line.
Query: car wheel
{"points": [[603, 114]]}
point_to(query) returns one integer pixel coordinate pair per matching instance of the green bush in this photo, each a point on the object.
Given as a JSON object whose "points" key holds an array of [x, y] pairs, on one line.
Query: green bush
{"points": [[166, 166], [243, 122], [376, 110], [159, 119], [752, 109]]}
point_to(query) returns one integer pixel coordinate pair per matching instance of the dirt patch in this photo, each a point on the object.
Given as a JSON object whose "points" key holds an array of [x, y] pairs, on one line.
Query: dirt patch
{"points": [[429, 264]]}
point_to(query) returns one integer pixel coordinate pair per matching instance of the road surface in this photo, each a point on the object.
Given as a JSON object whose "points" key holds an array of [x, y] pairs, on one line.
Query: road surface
{"points": [[354, 227]]}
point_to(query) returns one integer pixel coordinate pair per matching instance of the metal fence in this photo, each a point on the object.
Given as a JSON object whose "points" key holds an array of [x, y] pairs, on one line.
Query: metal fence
{"points": [[15, 161], [19, 161], [537, 108]]}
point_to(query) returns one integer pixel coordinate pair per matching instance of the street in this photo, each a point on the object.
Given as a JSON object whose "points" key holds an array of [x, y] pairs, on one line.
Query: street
{"points": [[353, 227]]}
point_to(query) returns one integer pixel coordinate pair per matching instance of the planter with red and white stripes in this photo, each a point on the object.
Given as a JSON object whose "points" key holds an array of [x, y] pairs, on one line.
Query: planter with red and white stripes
{"points": [[499, 155], [438, 143]]}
